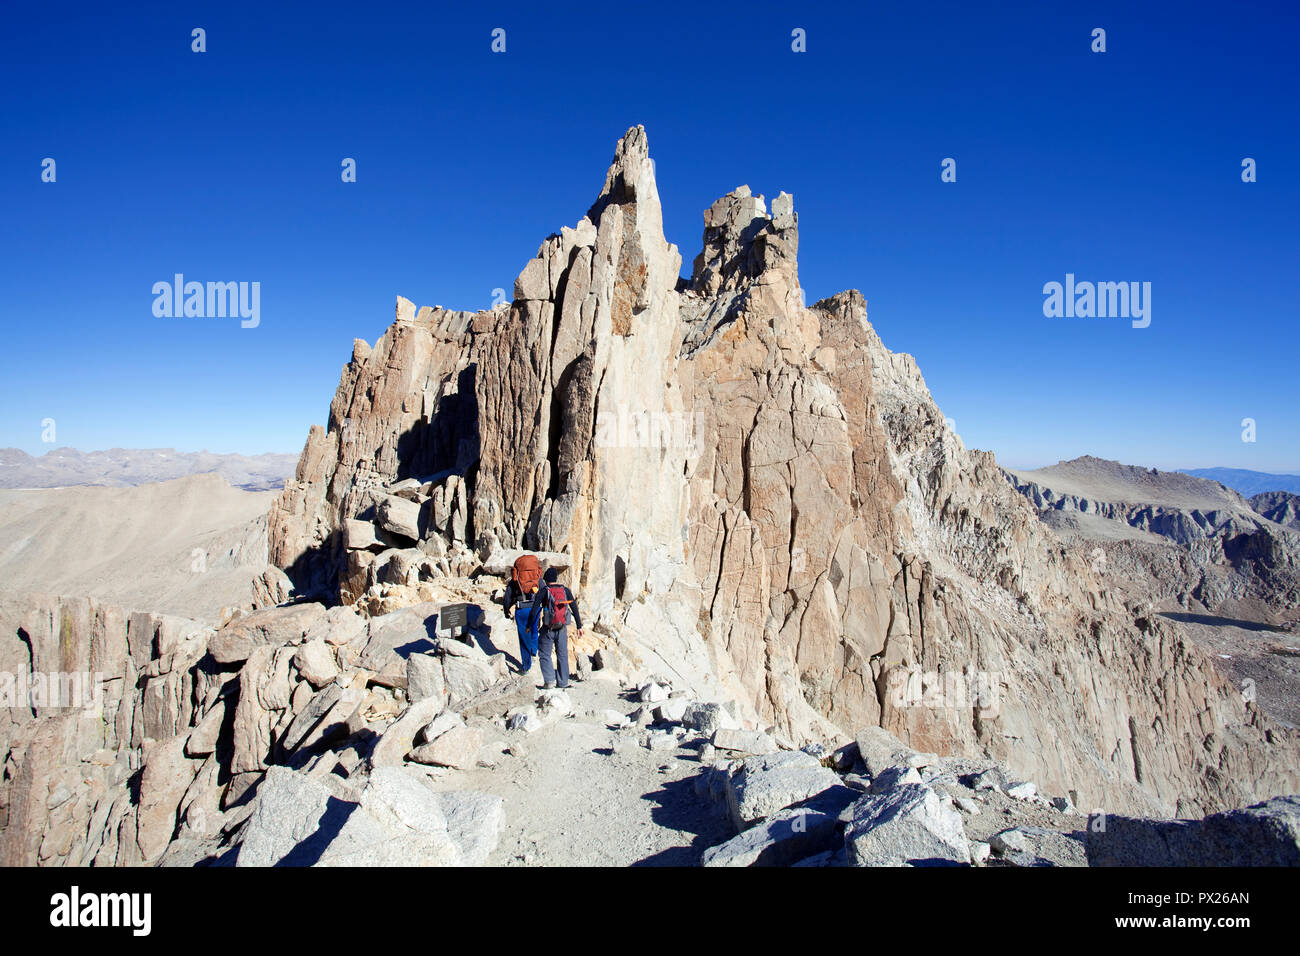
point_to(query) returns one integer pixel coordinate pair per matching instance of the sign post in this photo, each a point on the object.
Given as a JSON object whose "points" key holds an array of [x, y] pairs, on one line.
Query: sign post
{"points": [[453, 616]]}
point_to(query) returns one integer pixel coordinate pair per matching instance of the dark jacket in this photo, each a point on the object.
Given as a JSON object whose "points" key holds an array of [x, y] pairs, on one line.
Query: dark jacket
{"points": [[539, 605], [515, 596]]}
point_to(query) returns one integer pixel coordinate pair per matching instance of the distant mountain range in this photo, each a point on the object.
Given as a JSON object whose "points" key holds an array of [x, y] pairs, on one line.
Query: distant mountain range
{"points": [[1248, 482], [124, 467]]}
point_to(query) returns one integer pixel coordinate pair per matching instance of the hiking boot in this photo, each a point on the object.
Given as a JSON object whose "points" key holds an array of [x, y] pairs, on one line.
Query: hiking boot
{"points": [[549, 685]]}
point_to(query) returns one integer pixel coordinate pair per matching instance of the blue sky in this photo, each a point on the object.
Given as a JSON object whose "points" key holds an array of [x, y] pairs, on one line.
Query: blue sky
{"points": [[1122, 166]]}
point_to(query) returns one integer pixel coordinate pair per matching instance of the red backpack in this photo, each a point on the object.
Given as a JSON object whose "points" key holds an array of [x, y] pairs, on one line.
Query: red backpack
{"points": [[555, 607]]}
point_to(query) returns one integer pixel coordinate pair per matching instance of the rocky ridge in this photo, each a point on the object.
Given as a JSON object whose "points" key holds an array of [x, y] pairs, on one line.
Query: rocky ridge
{"points": [[784, 555], [1171, 536], [807, 535], [1280, 507]]}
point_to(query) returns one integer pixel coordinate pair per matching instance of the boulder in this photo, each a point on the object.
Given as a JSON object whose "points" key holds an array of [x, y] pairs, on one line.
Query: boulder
{"points": [[553, 704], [525, 719], [456, 747], [746, 742], [271, 588], [907, 826], [399, 516], [424, 678], [660, 740], [1062, 805], [339, 719], [991, 779], [398, 822], [708, 718], [408, 488], [615, 719], [967, 805], [672, 711], [1039, 846], [1264, 834], [273, 625], [315, 662], [879, 750], [288, 810], [892, 777], [466, 677], [787, 836], [444, 722], [397, 739], [474, 823], [167, 775], [762, 785], [450, 647], [392, 638], [256, 713], [361, 536], [203, 738], [309, 716], [652, 693], [401, 566]]}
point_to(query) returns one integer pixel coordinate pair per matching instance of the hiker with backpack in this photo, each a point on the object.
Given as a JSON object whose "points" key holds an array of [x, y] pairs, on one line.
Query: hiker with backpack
{"points": [[525, 577], [552, 607]]}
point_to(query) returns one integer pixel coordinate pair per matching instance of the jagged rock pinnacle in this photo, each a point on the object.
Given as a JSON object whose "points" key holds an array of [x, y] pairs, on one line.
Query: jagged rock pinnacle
{"points": [[742, 242], [630, 177]]}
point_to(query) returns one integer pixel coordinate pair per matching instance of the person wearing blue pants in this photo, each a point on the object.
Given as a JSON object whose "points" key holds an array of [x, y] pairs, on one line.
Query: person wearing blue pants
{"points": [[527, 642], [520, 592], [552, 607]]}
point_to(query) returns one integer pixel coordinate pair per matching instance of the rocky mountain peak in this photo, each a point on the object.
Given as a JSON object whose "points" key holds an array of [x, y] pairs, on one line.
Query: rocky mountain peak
{"points": [[630, 178], [742, 243], [758, 497]]}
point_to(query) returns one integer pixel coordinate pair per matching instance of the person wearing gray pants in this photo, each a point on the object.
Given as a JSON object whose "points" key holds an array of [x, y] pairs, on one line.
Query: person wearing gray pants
{"points": [[553, 606]]}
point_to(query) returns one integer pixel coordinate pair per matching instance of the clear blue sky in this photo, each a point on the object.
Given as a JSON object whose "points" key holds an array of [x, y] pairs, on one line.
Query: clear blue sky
{"points": [[225, 166]]}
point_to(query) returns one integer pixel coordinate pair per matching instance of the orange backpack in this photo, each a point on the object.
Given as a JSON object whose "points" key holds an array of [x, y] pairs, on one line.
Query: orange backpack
{"points": [[526, 573]]}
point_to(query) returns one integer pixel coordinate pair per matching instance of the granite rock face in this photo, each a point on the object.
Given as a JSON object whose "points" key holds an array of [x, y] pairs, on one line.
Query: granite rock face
{"points": [[756, 489], [128, 690]]}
